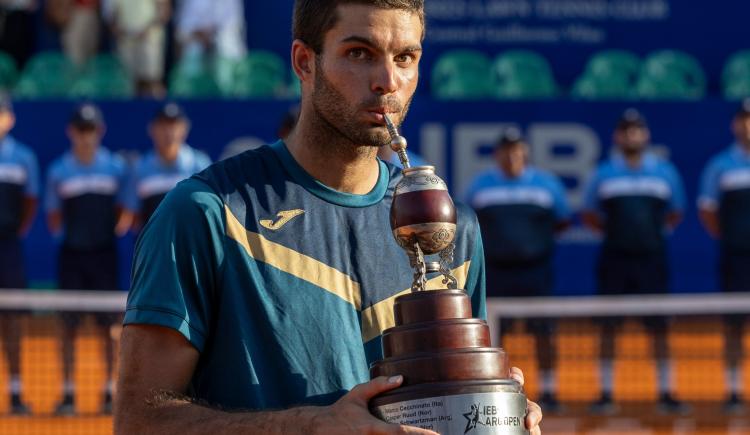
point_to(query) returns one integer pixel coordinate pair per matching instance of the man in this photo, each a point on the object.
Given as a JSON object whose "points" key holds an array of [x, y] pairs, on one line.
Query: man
{"points": [[520, 210], [211, 37], [170, 162], [84, 202], [19, 192], [265, 281], [724, 209], [139, 29], [635, 199]]}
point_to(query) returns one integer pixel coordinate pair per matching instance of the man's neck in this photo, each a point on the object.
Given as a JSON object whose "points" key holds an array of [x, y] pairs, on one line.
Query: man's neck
{"points": [[168, 159], [333, 159], [633, 159]]}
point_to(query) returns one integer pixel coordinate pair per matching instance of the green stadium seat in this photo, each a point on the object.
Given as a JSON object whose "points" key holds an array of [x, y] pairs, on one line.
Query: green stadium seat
{"points": [[8, 71], [105, 64], [47, 74], [609, 75], [738, 89], [261, 74], [522, 74], [669, 75], [735, 77], [102, 86], [197, 85], [462, 74], [602, 88], [614, 64]]}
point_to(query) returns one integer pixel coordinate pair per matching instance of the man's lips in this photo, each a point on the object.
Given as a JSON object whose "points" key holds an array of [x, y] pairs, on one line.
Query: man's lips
{"points": [[377, 113]]}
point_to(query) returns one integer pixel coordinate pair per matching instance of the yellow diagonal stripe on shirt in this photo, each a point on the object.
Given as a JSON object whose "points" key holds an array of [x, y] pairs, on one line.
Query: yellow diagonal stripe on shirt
{"points": [[293, 262], [379, 317]]}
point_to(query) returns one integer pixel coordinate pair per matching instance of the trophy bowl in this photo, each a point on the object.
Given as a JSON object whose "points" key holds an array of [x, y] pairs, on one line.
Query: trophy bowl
{"points": [[454, 381]]}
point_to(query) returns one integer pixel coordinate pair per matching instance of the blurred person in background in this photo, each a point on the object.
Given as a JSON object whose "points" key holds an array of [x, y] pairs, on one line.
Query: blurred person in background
{"points": [[139, 29], [84, 203], [211, 37], [18, 29], [724, 210], [170, 162], [19, 193], [635, 199], [520, 210], [79, 24]]}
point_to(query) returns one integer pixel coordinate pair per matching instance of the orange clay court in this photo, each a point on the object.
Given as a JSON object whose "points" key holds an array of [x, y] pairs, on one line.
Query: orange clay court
{"points": [[698, 370]]}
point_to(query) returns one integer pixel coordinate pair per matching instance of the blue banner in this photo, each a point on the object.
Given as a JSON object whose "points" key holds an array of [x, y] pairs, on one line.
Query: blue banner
{"points": [[566, 32], [568, 138]]}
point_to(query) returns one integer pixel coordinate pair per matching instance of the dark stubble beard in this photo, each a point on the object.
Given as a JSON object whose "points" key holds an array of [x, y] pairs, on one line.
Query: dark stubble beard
{"points": [[334, 117]]}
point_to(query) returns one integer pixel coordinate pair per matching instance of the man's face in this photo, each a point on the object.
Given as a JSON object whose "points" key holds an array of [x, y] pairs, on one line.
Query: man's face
{"points": [[368, 67], [7, 121], [85, 141], [168, 136], [512, 159], [741, 129], [632, 139]]}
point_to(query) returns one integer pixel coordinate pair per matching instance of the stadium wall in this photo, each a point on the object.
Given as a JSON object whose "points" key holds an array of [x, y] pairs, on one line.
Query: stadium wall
{"points": [[568, 138]]}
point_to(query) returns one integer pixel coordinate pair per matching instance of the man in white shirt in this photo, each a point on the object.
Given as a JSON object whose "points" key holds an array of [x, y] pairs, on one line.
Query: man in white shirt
{"points": [[138, 27], [211, 33]]}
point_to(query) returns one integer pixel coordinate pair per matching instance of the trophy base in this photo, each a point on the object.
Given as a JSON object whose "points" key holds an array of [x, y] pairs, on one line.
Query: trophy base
{"points": [[455, 408]]}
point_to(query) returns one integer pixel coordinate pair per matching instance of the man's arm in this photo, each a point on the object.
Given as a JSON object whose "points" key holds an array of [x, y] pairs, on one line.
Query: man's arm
{"points": [[592, 220], [710, 221], [673, 219], [156, 365], [54, 222], [125, 219], [28, 214]]}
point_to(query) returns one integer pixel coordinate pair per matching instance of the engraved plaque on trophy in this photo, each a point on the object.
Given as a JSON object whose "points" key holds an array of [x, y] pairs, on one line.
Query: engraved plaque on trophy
{"points": [[454, 381]]}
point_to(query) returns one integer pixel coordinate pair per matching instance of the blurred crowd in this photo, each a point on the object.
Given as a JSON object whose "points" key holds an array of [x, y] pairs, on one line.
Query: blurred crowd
{"points": [[147, 36]]}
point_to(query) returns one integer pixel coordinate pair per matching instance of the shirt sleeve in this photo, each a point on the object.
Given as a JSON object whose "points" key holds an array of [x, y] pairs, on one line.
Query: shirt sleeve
{"points": [[468, 197], [130, 196], [202, 162], [562, 210], [32, 182], [591, 193], [177, 261], [51, 198], [708, 196], [123, 180], [677, 201], [475, 279]]}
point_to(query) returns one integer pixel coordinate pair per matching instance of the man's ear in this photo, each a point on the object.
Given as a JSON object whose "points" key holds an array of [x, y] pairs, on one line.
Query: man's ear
{"points": [[303, 60]]}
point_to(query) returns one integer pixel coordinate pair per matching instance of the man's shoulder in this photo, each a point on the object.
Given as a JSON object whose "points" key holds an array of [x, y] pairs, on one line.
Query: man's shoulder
{"points": [[249, 169], [723, 160]]}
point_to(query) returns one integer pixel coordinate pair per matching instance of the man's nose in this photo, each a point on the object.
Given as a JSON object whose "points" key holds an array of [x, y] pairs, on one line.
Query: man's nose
{"points": [[385, 78]]}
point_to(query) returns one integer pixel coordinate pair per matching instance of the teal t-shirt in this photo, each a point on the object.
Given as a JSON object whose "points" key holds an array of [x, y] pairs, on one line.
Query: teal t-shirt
{"points": [[282, 284]]}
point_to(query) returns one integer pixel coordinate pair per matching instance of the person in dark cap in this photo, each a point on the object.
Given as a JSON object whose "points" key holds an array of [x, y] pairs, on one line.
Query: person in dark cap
{"points": [[171, 161], [635, 199], [724, 210], [84, 201], [520, 210], [19, 192]]}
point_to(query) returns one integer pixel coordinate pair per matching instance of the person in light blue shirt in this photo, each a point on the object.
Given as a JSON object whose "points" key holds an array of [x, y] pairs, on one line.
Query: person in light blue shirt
{"points": [[635, 199], [170, 162], [724, 209], [84, 201], [520, 210], [19, 190]]}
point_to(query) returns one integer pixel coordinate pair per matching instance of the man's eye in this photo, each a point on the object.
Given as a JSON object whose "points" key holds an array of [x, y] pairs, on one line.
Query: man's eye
{"points": [[357, 53], [404, 58]]}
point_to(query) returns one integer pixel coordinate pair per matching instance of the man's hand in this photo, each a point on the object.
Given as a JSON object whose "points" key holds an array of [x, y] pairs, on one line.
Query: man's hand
{"points": [[533, 411], [351, 415]]}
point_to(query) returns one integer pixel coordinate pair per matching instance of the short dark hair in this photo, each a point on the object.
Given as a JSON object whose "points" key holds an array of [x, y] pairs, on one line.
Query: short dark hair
{"points": [[314, 18]]}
